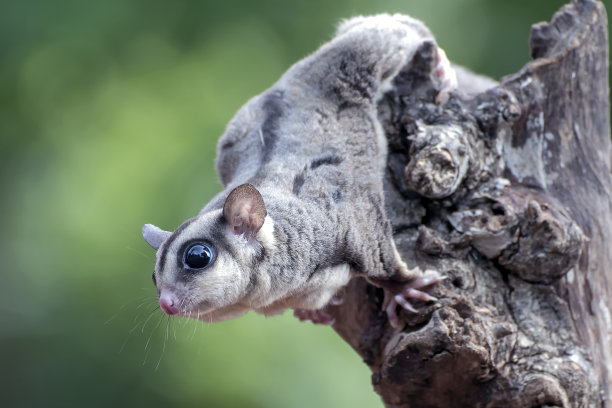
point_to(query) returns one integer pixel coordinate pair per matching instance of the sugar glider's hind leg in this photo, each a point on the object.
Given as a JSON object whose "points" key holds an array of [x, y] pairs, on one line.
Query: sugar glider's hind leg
{"points": [[315, 316], [371, 51], [318, 316]]}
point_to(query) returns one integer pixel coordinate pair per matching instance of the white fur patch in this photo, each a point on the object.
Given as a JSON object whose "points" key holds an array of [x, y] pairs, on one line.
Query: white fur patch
{"points": [[266, 234], [314, 294]]}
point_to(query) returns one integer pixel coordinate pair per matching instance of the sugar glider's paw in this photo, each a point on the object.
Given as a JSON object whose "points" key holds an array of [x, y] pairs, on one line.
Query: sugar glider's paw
{"points": [[406, 291], [318, 316], [447, 77]]}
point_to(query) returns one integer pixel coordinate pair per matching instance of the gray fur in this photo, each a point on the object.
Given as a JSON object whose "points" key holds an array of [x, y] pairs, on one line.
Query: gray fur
{"points": [[313, 147], [154, 236]]}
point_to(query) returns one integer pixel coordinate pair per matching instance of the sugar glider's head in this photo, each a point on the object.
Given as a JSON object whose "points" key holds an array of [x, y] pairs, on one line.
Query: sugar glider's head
{"points": [[204, 268]]}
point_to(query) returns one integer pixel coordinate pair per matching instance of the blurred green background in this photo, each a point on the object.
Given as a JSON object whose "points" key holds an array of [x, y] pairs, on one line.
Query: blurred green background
{"points": [[109, 114]]}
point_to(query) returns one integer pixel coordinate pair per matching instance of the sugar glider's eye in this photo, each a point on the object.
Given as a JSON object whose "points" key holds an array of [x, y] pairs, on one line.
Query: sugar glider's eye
{"points": [[198, 256]]}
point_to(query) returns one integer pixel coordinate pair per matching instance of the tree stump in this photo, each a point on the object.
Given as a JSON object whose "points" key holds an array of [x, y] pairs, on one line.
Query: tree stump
{"points": [[508, 192]]}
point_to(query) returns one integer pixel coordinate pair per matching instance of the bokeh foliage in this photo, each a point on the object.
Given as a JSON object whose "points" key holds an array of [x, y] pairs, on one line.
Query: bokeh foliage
{"points": [[109, 114]]}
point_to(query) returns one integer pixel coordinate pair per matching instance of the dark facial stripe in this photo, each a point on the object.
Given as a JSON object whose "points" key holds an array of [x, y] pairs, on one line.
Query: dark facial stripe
{"points": [[227, 145], [273, 106], [329, 159], [253, 280], [298, 182], [221, 242], [337, 196], [169, 241]]}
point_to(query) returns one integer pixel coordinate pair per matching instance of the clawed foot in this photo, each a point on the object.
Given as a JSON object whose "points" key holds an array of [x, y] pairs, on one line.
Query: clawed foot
{"points": [[318, 316], [409, 290], [447, 77]]}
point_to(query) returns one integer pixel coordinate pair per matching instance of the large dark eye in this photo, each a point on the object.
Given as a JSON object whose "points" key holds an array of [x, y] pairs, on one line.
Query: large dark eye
{"points": [[198, 256]]}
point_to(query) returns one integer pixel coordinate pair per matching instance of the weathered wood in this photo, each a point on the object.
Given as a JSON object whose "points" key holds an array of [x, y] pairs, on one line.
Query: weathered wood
{"points": [[509, 194]]}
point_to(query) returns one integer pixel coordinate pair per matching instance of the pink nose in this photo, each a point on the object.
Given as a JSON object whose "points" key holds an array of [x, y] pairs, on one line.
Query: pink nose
{"points": [[168, 303]]}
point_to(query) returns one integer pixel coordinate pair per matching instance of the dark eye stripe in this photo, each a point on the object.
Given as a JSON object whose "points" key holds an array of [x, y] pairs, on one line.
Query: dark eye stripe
{"points": [[170, 241]]}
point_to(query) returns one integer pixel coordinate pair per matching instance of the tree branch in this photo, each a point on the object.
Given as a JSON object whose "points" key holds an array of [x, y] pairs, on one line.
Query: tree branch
{"points": [[509, 194]]}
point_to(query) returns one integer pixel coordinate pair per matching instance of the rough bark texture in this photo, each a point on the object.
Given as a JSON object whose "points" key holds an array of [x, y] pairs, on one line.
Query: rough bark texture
{"points": [[509, 194]]}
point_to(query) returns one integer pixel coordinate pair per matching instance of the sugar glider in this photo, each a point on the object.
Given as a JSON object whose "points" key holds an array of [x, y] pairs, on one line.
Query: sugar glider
{"points": [[302, 211]]}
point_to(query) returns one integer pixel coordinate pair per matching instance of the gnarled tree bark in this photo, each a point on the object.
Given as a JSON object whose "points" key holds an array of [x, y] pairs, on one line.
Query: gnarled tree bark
{"points": [[509, 194]]}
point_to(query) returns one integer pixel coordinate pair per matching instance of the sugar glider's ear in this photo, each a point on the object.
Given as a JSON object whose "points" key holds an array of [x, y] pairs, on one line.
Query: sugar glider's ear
{"points": [[244, 210], [154, 236]]}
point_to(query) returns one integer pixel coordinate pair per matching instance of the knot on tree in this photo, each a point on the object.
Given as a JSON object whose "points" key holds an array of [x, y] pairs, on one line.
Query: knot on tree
{"points": [[526, 232]]}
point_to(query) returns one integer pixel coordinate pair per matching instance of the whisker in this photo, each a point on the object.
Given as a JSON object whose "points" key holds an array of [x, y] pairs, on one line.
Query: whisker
{"points": [[189, 317], [148, 350], [144, 362], [186, 319], [164, 347], [167, 325], [120, 310], [149, 317], [110, 319], [137, 320], [136, 323], [153, 331], [195, 327], [145, 256], [127, 337], [145, 302]]}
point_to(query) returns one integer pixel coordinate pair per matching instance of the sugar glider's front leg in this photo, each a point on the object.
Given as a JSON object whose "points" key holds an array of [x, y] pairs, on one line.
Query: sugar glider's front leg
{"points": [[401, 293], [390, 42], [368, 52]]}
